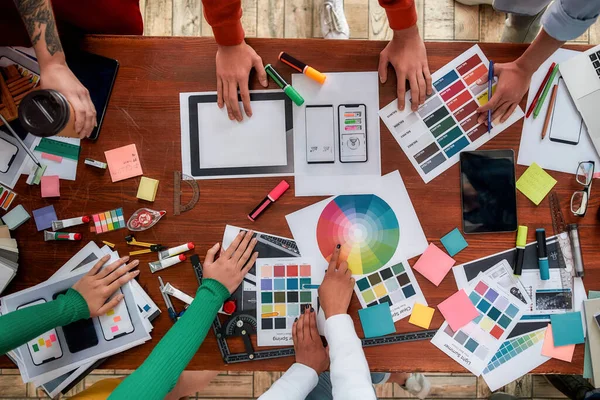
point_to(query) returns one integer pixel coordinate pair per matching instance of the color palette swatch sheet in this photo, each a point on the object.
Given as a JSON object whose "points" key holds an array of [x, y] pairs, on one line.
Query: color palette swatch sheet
{"points": [[108, 221], [516, 357], [284, 287], [474, 345], [446, 124]]}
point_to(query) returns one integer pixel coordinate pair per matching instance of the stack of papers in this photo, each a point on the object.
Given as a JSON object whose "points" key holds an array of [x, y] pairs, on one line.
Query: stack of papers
{"points": [[9, 256], [57, 360]]}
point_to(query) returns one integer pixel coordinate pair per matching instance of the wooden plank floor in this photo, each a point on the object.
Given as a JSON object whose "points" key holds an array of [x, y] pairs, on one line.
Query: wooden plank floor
{"points": [[439, 20]]}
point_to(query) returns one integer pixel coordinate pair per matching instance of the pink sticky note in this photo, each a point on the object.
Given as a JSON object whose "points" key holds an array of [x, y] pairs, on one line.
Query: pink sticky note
{"points": [[458, 310], [50, 186], [123, 163], [564, 353], [53, 337], [114, 328], [52, 157], [434, 264]]}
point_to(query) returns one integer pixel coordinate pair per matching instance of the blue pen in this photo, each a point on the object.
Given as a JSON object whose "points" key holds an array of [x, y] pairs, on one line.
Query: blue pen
{"points": [[490, 82], [540, 236]]}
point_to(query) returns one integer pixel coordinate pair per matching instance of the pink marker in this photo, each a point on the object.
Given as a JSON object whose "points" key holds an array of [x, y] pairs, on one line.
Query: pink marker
{"points": [[270, 199]]}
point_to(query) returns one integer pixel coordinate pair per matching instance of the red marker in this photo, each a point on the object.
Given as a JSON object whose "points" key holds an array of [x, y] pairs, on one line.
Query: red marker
{"points": [[537, 95], [270, 199]]}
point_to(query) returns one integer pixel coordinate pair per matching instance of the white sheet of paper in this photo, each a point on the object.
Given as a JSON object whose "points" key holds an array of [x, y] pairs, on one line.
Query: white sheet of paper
{"points": [[546, 153], [417, 140], [337, 177], [256, 141]]}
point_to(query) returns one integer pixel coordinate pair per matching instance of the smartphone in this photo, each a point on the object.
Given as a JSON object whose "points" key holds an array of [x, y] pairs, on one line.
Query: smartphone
{"points": [[352, 130], [45, 347], [488, 191], [79, 335], [117, 321], [566, 125], [320, 135]]}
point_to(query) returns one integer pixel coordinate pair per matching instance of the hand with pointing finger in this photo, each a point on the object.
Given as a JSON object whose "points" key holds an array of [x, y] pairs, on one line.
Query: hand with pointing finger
{"points": [[234, 263], [513, 83], [233, 70], [406, 52], [336, 290], [99, 284]]}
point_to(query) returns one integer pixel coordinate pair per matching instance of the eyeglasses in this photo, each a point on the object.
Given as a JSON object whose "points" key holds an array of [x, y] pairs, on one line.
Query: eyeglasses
{"points": [[584, 176]]}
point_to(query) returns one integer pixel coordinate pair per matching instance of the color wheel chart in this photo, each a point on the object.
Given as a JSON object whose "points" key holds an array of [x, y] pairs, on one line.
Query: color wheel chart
{"points": [[446, 124], [369, 232], [474, 345]]}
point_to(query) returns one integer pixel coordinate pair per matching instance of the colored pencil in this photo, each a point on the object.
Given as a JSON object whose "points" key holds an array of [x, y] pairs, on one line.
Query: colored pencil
{"points": [[537, 95], [540, 102], [550, 109]]}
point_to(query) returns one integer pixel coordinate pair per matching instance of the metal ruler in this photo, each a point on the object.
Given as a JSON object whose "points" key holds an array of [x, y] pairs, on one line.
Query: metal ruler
{"points": [[57, 148], [178, 178], [564, 243]]}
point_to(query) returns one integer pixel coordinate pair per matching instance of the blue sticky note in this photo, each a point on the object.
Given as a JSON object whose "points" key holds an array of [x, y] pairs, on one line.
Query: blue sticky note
{"points": [[567, 328], [43, 217], [454, 242], [377, 320]]}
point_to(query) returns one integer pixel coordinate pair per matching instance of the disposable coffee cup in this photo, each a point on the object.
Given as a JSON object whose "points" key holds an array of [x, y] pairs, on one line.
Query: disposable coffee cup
{"points": [[46, 113]]}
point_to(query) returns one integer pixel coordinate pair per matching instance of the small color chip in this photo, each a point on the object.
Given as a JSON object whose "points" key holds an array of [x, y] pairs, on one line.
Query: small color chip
{"points": [[421, 315], [377, 320], [454, 242], [363, 284]]}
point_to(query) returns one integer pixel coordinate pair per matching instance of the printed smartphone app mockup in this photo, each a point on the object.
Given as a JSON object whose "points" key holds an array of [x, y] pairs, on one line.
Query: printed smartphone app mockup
{"points": [[45, 347], [320, 134], [117, 321], [79, 335], [352, 127]]}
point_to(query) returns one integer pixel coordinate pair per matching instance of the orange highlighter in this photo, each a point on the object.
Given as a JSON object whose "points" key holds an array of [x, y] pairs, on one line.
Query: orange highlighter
{"points": [[301, 67]]}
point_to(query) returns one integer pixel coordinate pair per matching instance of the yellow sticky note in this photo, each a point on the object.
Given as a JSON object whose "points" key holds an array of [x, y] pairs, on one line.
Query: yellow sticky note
{"points": [[421, 315], [147, 189], [535, 183]]}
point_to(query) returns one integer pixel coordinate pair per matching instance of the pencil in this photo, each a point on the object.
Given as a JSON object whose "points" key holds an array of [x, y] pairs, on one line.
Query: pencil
{"points": [[550, 109], [540, 102], [537, 95]]}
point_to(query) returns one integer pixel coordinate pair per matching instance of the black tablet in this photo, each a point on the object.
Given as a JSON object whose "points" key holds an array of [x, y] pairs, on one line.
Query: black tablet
{"points": [[488, 191]]}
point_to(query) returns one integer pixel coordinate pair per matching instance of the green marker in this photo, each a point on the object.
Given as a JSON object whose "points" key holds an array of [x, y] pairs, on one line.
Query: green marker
{"points": [[287, 88], [538, 107]]}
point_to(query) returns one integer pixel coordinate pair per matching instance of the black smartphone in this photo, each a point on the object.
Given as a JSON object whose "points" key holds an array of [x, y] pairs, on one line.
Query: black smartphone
{"points": [[488, 191], [80, 335]]}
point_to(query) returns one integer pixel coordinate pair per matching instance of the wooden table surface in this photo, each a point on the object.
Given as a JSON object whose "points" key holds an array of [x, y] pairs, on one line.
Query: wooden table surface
{"points": [[144, 109]]}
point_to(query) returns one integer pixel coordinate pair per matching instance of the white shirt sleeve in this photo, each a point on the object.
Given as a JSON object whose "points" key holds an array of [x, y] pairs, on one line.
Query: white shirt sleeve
{"points": [[296, 384], [350, 375]]}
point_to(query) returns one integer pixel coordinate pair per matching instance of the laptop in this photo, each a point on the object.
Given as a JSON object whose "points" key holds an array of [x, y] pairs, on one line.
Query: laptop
{"points": [[582, 77]]}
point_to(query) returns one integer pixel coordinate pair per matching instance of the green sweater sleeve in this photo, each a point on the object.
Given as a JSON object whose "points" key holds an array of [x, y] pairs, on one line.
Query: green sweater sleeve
{"points": [[21, 326], [158, 375]]}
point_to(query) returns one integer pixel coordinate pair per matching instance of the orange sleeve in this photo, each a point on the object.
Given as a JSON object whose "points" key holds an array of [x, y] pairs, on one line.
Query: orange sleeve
{"points": [[224, 16], [401, 14]]}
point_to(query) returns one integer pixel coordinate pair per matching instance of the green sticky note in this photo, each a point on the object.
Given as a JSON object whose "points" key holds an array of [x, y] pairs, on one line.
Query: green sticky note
{"points": [[567, 328], [377, 320], [535, 183], [587, 356]]}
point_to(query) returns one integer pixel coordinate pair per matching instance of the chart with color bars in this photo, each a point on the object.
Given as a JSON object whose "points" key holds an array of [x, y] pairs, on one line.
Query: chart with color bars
{"points": [[395, 285], [446, 124], [478, 341], [6, 197], [286, 287], [108, 221]]}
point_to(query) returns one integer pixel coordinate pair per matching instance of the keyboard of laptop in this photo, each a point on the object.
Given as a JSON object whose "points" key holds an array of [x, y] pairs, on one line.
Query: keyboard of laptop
{"points": [[595, 59]]}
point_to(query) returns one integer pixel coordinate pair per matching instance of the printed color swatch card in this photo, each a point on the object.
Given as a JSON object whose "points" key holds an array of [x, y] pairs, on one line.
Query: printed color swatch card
{"points": [[446, 124], [474, 345], [284, 287]]}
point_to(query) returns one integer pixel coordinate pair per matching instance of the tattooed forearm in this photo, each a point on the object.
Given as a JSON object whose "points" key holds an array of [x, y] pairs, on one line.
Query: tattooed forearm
{"points": [[37, 16]]}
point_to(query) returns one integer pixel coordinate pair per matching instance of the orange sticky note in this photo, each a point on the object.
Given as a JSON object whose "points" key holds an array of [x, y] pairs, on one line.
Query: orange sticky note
{"points": [[434, 264], [564, 353], [123, 163], [50, 186]]}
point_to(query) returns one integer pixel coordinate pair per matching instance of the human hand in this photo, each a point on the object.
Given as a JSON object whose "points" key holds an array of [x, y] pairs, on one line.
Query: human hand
{"points": [[406, 52], [59, 77], [308, 346], [513, 83], [98, 285], [234, 263], [335, 292], [233, 69]]}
